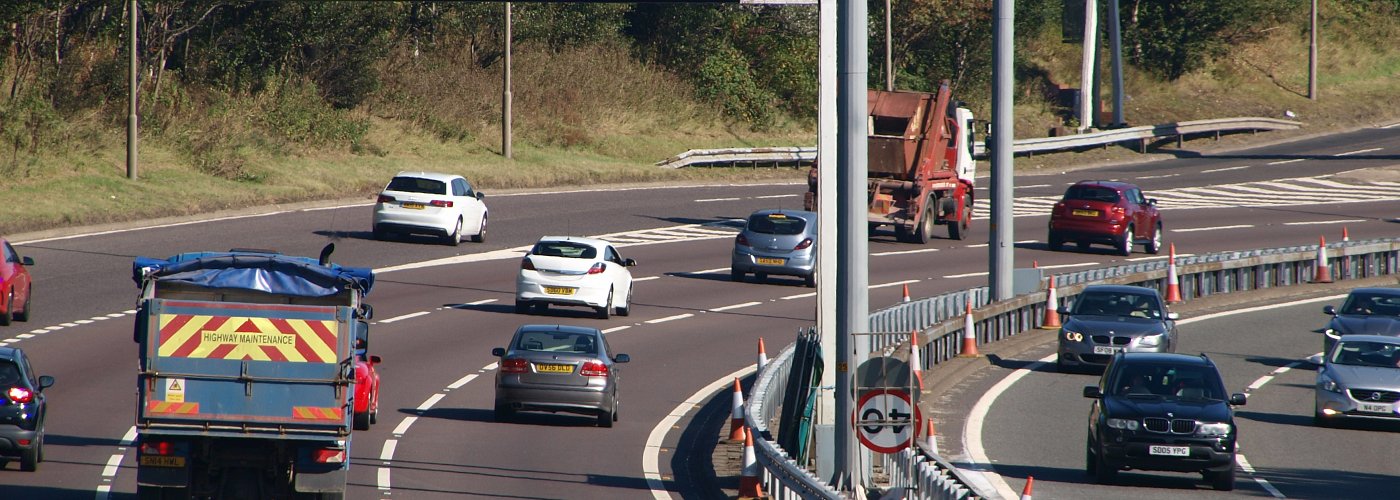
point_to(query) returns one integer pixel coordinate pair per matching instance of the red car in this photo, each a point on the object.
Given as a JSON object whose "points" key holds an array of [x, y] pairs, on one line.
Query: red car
{"points": [[366, 385], [1106, 212], [15, 284]]}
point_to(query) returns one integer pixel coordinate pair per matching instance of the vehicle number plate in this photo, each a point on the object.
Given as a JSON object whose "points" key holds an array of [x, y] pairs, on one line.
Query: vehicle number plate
{"points": [[1086, 213], [554, 368], [162, 461], [412, 205], [770, 261], [1103, 349], [559, 290], [1169, 451], [1376, 408]]}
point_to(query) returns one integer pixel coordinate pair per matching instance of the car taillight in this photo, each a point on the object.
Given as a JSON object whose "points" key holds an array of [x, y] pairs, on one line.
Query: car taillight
{"points": [[441, 203], [1119, 211], [527, 265], [384, 198], [597, 268], [805, 243], [514, 365], [594, 369], [741, 240], [20, 395], [330, 456], [157, 448]]}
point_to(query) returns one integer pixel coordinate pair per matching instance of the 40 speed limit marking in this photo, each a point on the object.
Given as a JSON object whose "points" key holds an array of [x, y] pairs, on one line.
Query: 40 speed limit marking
{"points": [[886, 420]]}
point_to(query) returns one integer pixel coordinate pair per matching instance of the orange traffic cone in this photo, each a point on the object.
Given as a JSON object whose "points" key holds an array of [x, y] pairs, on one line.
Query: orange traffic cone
{"points": [[931, 440], [1173, 286], [915, 363], [969, 339], [762, 356], [1345, 238], [1324, 273], [1026, 493], [736, 415], [750, 479], [906, 293], [1052, 304]]}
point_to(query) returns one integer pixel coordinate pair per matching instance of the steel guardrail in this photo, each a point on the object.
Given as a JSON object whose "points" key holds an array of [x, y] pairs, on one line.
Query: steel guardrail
{"points": [[940, 321], [805, 155]]}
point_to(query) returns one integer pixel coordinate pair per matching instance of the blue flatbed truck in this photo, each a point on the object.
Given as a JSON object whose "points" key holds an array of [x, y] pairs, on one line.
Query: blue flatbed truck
{"points": [[246, 372]]}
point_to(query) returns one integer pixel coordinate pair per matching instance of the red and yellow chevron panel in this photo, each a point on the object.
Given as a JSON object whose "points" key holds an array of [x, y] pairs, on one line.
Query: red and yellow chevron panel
{"points": [[248, 338], [172, 408], [317, 413]]}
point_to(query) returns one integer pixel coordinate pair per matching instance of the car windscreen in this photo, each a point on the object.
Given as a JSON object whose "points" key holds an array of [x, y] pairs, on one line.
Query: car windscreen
{"points": [[776, 224], [1372, 304], [564, 249], [558, 342], [1146, 380], [1133, 305], [1091, 193], [1366, 353], [417, 185]]}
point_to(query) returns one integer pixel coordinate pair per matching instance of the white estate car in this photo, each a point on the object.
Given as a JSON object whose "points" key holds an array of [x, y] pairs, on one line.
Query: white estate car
{"points": [[573, 271], [442, 205]]}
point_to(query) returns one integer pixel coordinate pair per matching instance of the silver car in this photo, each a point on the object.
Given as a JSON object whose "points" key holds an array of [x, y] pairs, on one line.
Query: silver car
{"points": [[558, 368], [1106, 319], [1366, 311], [1359, 378], [778, 242]]}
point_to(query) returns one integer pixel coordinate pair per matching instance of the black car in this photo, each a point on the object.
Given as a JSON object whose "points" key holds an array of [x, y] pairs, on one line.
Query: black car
{"points": [[1107, 319], [1366, 311], [22, 410], [1165, 412]]}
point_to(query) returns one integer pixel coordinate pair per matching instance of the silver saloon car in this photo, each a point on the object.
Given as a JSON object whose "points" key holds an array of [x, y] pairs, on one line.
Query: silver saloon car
{"points": [[1106, 319], [1359, 379], [777, 242], [558, 368]]}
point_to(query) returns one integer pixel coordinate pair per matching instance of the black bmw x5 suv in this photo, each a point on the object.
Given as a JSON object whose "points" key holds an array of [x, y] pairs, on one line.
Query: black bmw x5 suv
{"points": [[1164, 412]]}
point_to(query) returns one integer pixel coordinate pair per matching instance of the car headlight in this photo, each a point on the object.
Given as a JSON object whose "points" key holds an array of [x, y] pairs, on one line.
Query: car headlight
{"points": [[1213, 429], [1071, 335], [1150, 340], [1123, 423], [1327, 384]]}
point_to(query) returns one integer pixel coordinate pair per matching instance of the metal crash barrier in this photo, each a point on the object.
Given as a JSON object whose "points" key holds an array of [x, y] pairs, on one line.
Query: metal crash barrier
{"points": [[925, 475]]}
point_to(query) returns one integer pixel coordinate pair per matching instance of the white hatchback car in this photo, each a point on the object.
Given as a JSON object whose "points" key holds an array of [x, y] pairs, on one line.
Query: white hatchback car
{"points": [[442, 205], [573, 271]]}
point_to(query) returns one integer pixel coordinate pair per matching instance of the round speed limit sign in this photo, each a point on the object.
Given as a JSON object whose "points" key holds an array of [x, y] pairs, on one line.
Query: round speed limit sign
{"points": [[886, 420]]}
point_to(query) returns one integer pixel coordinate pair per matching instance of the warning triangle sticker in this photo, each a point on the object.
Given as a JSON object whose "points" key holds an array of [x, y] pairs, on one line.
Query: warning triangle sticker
{"points": [[175, 386]]}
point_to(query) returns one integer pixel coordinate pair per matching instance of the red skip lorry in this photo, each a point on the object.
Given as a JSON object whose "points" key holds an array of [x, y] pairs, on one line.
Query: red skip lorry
{"points": [[920, 167]]}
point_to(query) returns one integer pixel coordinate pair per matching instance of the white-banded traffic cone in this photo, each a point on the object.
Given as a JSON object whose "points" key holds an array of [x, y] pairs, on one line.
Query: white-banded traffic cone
{"points": [[969, 339], [906, 293], [1026, 492], [762, 356], [736, 416], [1052, 305], [1324, 273], [915, 362], [1173, 285], [750, 483], [931, 440]]}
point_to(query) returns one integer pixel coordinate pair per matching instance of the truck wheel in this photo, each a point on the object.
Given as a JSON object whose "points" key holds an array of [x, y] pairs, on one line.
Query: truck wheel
{"points": [[924, 232], [157, 493], [958, 230], [901, 233], [362, 421]]}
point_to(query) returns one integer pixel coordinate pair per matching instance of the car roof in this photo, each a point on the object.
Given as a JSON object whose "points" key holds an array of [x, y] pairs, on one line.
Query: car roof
{"points": [[1167, 357], [9, 353], [1119, 289], [594, 242], [1378, 290], [798, 213], [437, 176], [559, 328], [1107, 184], [1388, 339]]}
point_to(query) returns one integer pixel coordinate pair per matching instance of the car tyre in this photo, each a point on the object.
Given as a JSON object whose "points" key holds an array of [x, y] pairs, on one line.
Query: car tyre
{"points": [[1221, 480], [480, 236], [1154, 242], [605, 418], [760, 277], [380, 234], [503, 413], [1055, 242], [606, 311], [1091, 463], [29, 459], [522, 307], [455, 237], [374, 414], [1081, 245], [362, 421], [9, 314], [1060, 365], [23, 314], [810, 280], [736, 275], [1125, 243], [1103, 472]]}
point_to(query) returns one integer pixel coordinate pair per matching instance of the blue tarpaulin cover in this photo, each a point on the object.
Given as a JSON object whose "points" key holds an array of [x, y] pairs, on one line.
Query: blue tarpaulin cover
{"points": [[264, 272]]}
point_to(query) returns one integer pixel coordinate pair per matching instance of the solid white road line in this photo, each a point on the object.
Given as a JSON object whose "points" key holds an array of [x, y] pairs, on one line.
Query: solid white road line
{"points": [[708, 271], [480, 302], [1217, 228], [113, 462], [1281, 162], [668, 318], [383, 478], [735, 306], [493, 366], [799, 296], [651, 468], [1157, 176], [463, 381], [967, 275], [406, 316], [903, 252], [648, 278], [1311, 223], [897, 283], [617, 328], [717, 199], [1241, 167], [1357, 152], [775, 196], [1034, 186]]}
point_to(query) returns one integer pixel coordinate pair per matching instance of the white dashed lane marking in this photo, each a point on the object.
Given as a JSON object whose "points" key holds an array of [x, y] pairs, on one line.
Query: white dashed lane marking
{"points": [[735, 306]]}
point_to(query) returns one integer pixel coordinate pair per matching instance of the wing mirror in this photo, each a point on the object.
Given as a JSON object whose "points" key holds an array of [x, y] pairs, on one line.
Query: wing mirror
{"points": [[1329, 310], [1238, 399], [45, 381], [1152, 201], [374, 360], [1092, 392], [480, 195], [622, 358], [629, 263], [1062, 310], [28, 261], [1173, 316], [498, 352]]}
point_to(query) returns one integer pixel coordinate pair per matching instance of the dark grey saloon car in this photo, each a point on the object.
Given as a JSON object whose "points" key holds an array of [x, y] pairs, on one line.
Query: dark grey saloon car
{"points": [[558, 368]]}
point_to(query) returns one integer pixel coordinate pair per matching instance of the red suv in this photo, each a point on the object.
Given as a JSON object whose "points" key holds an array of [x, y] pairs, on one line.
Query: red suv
{"points": [[1107, 212]]}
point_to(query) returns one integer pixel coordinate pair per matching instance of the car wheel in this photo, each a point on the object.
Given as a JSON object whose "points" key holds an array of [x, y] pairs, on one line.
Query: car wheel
{"points": [[362, 421], [810, 280], [626, 308], [606, 311], [374, 414], [760, 277], [1055, 242], [1081, 245], [9, 314], [736, 275], [503, 413], [1125, 243], [29, 459], [455, 238], [522, 307], [541, 307], [1060, 366], [480, 236], [380, 234], [1221, 480], [605, 418], [1091, 464], [1103, 472], [23, 314], [1154, 242]]}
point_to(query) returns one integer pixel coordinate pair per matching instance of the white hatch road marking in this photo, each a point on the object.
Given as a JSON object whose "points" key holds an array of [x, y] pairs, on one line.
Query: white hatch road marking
{"points": [[1263, 483], [717, 199], [1281, 162], [668, 318], [1311, 223], [1034, 186], [1357, 152], [897, 283], [735, 306], [613, 329], [980, 467], [404, 425], [799, 296], [1213, 170], [904, 252], [1216, 228], [404, 317], [463, 381], [651, 455], [648, 278]]}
